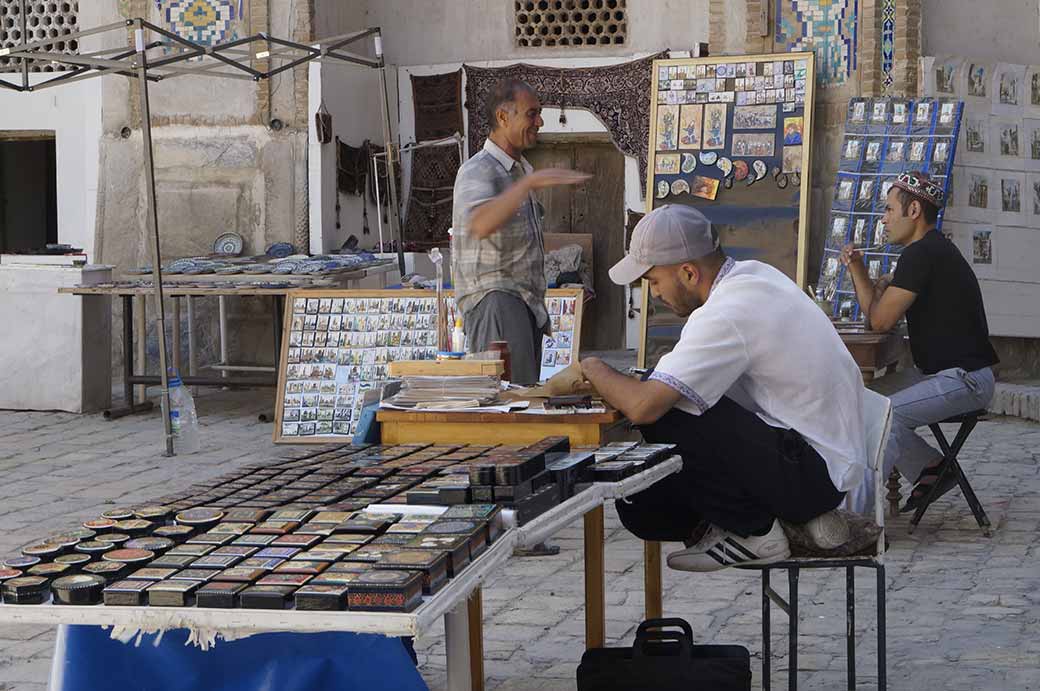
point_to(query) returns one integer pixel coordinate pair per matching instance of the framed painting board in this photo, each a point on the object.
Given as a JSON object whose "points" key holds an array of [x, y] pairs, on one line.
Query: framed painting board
{"points": [[732, 136], [338, 344]]}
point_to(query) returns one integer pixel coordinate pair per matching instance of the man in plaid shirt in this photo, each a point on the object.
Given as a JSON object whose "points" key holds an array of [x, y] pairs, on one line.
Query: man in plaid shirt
{"points": [[497, 250]]}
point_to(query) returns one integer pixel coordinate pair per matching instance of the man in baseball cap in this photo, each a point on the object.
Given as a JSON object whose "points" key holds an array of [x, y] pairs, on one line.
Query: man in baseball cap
{"points": [[936, 289], [759, 394]]}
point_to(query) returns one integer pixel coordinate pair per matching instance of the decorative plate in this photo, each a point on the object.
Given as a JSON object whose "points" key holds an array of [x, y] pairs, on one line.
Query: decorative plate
{"points": [[662, 189], [228, 244], [740, 169], [279, 250], [760, 169], [680, 187], [708, 158], [725, 165], [258, 269]]}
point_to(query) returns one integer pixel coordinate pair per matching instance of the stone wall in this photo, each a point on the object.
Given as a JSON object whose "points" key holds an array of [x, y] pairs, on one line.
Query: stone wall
{"points": [[230, 155]]}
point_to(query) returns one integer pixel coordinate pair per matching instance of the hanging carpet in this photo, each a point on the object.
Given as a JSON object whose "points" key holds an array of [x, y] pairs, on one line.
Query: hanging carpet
{"points": [[438, 105], [618, 95]]}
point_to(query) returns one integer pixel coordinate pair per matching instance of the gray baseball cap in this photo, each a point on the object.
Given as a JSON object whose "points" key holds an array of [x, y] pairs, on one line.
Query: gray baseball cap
{"points": [[671, 234]]}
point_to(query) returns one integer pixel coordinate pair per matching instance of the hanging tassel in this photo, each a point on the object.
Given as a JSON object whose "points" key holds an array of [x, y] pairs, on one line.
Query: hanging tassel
{"points": [[563, 100]]}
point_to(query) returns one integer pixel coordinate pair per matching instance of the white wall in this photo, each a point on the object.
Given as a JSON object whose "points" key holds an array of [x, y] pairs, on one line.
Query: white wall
{"points": [[351, 95], [1003, 32], [1000, 31], [73, 112]]}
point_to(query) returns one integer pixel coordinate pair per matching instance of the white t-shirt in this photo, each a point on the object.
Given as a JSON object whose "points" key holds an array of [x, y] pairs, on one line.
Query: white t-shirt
{"points": [[761, 341]]}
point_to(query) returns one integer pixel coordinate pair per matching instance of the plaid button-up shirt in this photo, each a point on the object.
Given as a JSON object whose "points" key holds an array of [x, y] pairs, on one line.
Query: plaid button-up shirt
{"points": [[511, 259]]}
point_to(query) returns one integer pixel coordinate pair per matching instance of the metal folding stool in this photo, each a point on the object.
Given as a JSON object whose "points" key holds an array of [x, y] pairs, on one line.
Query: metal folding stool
{"points": [[877, 419], [950, 464]]}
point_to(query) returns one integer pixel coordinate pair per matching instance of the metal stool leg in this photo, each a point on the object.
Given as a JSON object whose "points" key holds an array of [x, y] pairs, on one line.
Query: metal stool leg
{"points": [[766, 652], [881, 629], [792, 643], [850, 624]]}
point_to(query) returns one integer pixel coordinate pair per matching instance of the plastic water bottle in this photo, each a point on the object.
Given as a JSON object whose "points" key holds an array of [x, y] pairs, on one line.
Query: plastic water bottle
{"points": [[183, 420]]}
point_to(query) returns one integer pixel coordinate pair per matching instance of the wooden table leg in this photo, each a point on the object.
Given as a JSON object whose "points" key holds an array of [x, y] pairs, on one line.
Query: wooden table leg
{"points": [[475, 605], [893, 492], [595, 596], [652, 579]]}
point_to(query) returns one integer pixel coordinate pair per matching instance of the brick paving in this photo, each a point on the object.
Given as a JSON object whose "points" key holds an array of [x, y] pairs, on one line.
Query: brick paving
{"points": [[962, 609]]}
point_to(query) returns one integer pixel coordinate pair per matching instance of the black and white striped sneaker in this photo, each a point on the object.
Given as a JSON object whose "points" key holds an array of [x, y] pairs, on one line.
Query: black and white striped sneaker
{"points": [[719, 549]]}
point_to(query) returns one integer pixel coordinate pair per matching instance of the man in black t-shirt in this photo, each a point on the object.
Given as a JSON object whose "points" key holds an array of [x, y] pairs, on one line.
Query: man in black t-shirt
{"points": [[938, 292]]}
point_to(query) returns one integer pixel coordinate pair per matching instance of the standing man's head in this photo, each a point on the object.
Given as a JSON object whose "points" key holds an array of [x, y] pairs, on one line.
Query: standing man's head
{"points": [[515, 114], [676, 249], [912, 208]]}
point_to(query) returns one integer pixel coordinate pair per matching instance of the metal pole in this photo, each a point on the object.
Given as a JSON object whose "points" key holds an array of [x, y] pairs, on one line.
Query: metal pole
{"points": [[25, 39], [152, 219], [395, 223]]}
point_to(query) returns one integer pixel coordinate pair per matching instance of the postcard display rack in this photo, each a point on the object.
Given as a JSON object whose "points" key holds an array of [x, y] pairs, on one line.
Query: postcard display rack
{"points": [[883, 138], [732, 136], [338, 344]]}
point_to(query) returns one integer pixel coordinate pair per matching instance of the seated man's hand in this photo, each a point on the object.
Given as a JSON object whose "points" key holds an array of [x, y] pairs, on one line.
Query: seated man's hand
{"points": [[588, 362], [849, 254]]}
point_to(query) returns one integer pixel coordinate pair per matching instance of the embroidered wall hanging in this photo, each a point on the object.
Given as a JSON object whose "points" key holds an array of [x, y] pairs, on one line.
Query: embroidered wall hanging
{"points": [[438, 105], [429, 203], [827, 27], [616, 95]]}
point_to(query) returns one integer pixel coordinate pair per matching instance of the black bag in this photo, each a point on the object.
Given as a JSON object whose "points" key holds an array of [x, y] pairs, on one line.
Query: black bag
{"points": [[664, 658]]}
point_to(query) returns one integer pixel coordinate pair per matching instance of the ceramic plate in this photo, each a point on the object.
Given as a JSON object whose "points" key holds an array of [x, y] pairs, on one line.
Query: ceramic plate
{"points": [[229, 244]]}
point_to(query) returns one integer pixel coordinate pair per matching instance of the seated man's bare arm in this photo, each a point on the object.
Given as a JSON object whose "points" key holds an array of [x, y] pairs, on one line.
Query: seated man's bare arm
{"points": [[886, 311], [642, 402]]}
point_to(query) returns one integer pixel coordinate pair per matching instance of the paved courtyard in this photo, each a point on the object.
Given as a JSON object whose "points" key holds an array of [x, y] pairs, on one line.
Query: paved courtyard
{"points": [[963, 610]]}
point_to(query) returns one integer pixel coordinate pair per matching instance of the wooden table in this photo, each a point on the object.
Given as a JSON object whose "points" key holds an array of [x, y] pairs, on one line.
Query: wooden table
{"points": [[583, 429], [876, 352], [177, 287]]}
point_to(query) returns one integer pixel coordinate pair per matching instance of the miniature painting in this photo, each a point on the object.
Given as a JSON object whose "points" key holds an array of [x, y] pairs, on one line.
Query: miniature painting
{"points": [[690, 123]]}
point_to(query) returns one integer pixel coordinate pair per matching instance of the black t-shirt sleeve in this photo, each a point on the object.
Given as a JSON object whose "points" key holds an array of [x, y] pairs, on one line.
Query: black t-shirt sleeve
{"points": [[914, 270]]}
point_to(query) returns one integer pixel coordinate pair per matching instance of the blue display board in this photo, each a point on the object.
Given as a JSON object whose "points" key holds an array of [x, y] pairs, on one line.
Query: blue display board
{"points": [[883, 138]]}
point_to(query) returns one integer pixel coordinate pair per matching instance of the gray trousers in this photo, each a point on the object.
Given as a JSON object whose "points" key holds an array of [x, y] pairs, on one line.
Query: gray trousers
{"points": [[505, 317], [935, 397]]}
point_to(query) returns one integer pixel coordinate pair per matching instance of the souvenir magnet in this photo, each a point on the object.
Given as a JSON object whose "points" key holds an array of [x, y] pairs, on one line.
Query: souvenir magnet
{"points": [[725, 165], [760, 169], [740, 169], [708, 158], [680, 187], [689, 163], [782, 181], [662, 189]]}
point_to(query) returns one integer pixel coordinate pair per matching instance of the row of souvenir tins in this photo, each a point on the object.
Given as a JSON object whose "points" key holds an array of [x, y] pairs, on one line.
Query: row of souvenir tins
{"points": [[327, 483], [333, 560]]}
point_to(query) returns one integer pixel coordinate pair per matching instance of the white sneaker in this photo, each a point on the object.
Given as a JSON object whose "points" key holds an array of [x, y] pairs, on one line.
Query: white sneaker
{"points": [[828, 530], [720, 548]]}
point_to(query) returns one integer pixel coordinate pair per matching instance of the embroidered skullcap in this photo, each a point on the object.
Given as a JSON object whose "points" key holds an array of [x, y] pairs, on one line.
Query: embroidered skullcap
{"points": [[922, 187]]}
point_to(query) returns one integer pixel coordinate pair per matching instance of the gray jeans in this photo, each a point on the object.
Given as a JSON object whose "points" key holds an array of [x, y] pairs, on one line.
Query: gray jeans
{"points": [[505, 317], [935, 397]]}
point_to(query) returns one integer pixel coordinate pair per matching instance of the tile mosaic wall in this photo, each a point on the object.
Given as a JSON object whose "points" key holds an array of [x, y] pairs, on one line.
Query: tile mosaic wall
{"points": [[208, 22], [827, 27]]}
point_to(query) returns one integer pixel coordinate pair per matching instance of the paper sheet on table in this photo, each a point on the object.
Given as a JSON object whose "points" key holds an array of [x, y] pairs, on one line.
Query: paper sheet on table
{"points": [[504, 408]]}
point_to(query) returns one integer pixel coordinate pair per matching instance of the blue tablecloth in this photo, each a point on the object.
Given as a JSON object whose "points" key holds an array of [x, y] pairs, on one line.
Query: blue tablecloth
{"points": [[86, 659]]}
